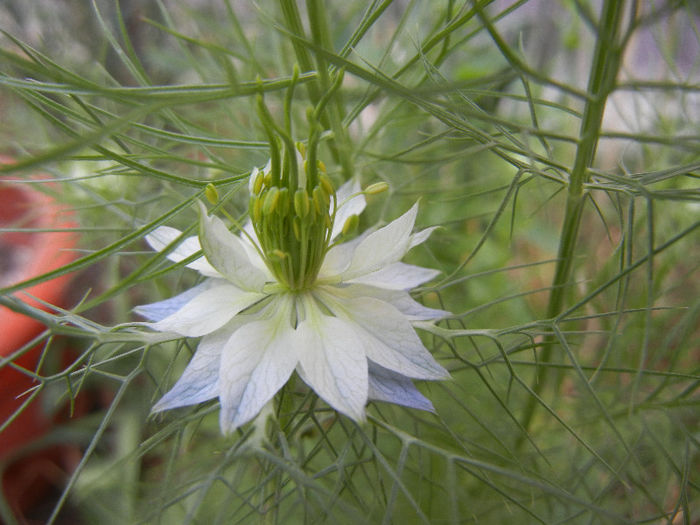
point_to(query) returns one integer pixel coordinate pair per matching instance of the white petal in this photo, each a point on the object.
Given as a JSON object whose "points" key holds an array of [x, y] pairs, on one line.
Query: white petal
{"points": [[385, 246], [200, 380], [387, 337], [347, 206], [333, 364], [208, 311], [339, 257], [161, 237], [251, 179], [162, 309], [255, 364], [399, 299], [397, 276], [421, 236], [252, 245], [226, 253], [385, 385]]}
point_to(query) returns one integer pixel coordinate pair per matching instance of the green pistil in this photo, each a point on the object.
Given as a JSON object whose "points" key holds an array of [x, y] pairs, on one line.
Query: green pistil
{"points": [[293, 227], [291, 201]]}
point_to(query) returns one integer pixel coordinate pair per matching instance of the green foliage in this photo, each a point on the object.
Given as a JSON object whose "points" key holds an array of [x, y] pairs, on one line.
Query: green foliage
{"points": [[555, 143]]}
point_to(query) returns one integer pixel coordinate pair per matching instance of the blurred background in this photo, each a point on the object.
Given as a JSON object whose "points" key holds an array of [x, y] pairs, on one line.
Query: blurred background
{"points": [[556, 145]]}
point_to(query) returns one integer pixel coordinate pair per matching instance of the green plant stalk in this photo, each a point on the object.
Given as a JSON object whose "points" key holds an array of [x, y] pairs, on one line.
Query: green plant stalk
{"points": [[604, 69], [318, 22], [320, 33]]}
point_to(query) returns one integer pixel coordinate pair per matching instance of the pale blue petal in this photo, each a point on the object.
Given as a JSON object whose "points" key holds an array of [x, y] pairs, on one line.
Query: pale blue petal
{"points": [[385, 385], [200, 380]]}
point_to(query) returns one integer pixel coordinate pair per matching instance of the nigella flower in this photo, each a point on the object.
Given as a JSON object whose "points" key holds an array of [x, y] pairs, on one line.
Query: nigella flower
{"points": [[284, 296]]}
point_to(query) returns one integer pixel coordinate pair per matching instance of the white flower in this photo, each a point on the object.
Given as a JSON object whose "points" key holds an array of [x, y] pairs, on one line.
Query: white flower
{"points": [[346, 330]]}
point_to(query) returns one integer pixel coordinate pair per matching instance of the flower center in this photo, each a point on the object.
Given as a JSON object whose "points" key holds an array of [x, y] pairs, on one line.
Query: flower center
{"points": [[290, 208]]}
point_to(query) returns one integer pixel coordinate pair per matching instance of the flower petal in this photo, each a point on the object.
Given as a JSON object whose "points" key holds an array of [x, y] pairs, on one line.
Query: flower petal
{"points": [[421, 236], [333, 364], [162, 309], [386, 335], [347, 205], [162, 237], [385, 246], [399, 299], [208, 311], [397, 276], [338, 258], [255, 364], [226, 253], [250, 242], [200, 380], [385, 385]]}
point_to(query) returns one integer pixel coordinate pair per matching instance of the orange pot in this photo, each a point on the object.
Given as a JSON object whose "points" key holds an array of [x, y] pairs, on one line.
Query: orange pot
{"points": [[24, 255]]}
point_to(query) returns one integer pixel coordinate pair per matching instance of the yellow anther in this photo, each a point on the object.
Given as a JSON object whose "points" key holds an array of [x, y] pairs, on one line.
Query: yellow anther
{"points": [[296, 226], [350, 224], [211, 193], [271, 199], [319, 199], [257, 209], [375, 188], [283, 202], [326, 184], [301, 203], [258, 180]]}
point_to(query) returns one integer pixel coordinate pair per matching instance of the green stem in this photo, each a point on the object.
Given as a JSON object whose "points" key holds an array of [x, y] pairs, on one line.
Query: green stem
{"points": [[603, 74], [332, 119], [320, 33], [290, 12]]}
